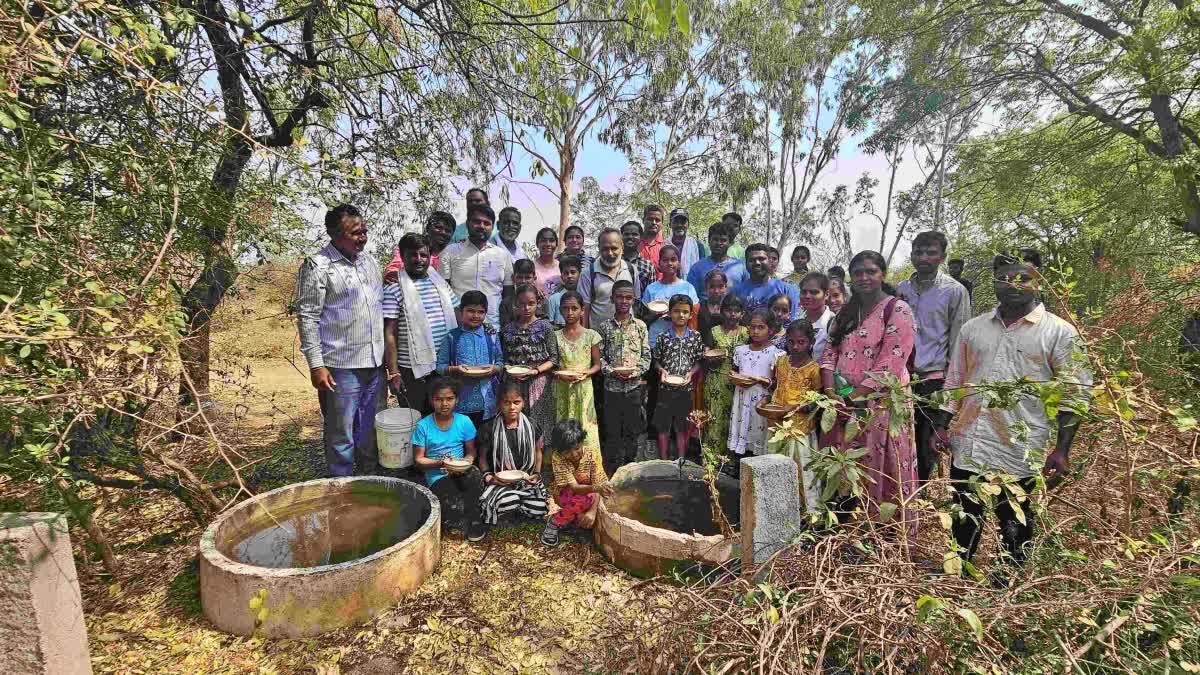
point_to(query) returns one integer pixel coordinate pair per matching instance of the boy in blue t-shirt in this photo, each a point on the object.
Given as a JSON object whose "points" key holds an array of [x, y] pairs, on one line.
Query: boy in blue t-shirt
{"points": [[569, 269], [472, 354], [448, 435]]}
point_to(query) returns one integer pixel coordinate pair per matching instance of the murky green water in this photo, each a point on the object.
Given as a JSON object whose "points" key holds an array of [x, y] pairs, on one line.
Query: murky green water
{"points": [[677, 505]]}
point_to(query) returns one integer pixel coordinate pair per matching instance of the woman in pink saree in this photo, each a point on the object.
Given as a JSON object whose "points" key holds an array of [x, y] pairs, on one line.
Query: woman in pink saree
{"points": [[872, 335]]}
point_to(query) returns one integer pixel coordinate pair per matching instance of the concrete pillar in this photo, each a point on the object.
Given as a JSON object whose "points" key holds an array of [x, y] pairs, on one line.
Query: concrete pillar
{"points": [[41, 614], [770, 506]]}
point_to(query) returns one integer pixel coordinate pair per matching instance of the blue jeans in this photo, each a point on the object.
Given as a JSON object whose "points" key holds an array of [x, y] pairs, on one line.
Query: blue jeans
{"points": [[349, 420]]}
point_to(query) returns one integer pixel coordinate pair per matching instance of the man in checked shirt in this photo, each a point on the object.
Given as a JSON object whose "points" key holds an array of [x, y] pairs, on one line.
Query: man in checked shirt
{"points": [[340, 307]]}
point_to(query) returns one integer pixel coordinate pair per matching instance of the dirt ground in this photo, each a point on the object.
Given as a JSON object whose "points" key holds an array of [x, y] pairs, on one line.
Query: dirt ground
{"points": [[505, 604]]}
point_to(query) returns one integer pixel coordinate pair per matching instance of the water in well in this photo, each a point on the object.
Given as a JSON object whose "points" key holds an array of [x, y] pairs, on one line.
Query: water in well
{"points": [[326, 531], [680, 505]]}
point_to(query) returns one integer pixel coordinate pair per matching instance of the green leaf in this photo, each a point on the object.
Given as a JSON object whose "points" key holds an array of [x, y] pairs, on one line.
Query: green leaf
{"points": [[24, 351], [682, 17], [6, 121], [926, 605], [886, 511], [972, 621]]}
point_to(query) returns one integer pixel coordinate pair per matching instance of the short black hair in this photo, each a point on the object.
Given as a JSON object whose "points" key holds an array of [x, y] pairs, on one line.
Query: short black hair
{"points": [[513, 209], [567, 435], [412, 241], [779, 296], [440, 216], [719, 228], [486, 198], [821, 279], [932, 237], [732, 215], [620, 285], [1023, 255], [484, 209], [806, 327], [757, 246], [837, 271], [632, 223], [768, 318], [714, 273], [439, 383], [801, 249], [473, 299], [651, 208], [679, 299], [524, 266], [772, 250], [568, 261], [956, 261], [731, 301], [337, 215]]}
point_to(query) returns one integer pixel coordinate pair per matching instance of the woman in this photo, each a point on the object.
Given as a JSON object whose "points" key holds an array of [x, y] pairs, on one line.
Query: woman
{"points": [[512, 441], [545, 266], [869, 343], [814, 292]]}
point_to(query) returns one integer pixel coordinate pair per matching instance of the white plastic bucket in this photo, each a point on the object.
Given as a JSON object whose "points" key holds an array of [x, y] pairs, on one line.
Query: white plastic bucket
{"points": [[393, 436]]}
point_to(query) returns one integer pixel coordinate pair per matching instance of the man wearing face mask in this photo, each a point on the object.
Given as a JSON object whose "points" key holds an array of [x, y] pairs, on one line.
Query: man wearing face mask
{"points": [[477, 264], [508, 228], [339, 305], [1018, 340]]}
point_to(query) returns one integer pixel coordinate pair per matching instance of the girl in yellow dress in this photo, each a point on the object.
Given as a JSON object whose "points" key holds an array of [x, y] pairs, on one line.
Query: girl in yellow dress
{"points": [[796, 374]]}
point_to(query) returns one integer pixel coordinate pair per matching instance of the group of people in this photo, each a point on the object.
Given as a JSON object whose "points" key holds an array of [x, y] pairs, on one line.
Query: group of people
{"points": [[504, 353]]}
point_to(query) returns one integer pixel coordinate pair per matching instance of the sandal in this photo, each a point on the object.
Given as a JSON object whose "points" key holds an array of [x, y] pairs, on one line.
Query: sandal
{"points": [[550, 534]]}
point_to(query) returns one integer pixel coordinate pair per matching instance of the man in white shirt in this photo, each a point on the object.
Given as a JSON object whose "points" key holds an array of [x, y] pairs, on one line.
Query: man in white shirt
{"points": [[1020, 339], [339, 305], [508, 228], [477, 264]]}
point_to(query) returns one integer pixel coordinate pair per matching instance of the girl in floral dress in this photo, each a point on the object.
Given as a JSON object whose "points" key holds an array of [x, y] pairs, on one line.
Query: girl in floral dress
{"points": [[871, 338], [748, 429], [528, 341], [578, 360], [718, 393]]}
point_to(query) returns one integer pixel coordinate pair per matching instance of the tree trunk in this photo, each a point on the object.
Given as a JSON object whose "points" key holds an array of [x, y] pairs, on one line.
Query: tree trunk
{"points": [[566, 180], [1185, 177]]}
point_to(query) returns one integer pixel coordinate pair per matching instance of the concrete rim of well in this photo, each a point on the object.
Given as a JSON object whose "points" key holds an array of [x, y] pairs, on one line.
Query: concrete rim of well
{"points": [[212, 554]]}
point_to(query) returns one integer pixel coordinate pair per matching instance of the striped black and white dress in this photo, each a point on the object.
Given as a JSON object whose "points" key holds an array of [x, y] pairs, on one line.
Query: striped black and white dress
{"points": [[507, 449]]}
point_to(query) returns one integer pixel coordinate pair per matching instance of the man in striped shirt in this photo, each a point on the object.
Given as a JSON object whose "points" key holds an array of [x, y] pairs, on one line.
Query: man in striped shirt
{"points": [[339, 296], [415, 324]]}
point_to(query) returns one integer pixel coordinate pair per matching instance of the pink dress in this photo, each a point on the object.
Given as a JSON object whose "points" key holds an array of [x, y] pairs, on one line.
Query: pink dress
{"points": [[890, 461]]}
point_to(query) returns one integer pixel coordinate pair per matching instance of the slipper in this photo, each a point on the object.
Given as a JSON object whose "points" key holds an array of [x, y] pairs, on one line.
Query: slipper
{"points": [[550, 534]]}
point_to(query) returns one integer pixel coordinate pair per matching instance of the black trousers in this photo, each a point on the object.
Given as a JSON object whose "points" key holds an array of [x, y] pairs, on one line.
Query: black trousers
{"points": [[1014, 536], [925, 419], [459, 494], [415, 393], [624, 422]]}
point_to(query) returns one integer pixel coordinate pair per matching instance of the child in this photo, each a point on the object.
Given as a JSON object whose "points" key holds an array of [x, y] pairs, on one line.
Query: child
{"points": [[718, 393], [569, 269], [512, 441], [677, 353], [578, 360], [716, 285], [837, 296], [524, 274], [528, 341], [747, 429], [796, 374], [781, 307], [668, 287], [624, 345], [473, 344], [446, 434], [578, 478]]}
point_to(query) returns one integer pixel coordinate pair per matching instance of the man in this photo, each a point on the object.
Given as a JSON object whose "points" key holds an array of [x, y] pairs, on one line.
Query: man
{"points": [[438, 228], [758, 289], [595, 285], [956, 269], [476, 196], [631, 237], [339, 303], [691, 250], [838, 272], [719, 238], [734, 222], [940, 307], [652, 239], [508, 228], [800, 257], [773, 260], [1020, 339], [477, 264], [418, 315]]}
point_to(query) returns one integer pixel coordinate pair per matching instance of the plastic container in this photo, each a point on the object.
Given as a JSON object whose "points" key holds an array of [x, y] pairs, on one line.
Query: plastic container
{"points": [[393, 436]]}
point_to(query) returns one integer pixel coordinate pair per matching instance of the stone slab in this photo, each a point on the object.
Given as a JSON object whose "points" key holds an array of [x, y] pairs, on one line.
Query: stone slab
{"points": [[41, 612], [770, 506]]}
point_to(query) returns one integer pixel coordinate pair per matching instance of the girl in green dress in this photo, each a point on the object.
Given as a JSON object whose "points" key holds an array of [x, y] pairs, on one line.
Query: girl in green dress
{"points": [[718, 393], [578, 361]]}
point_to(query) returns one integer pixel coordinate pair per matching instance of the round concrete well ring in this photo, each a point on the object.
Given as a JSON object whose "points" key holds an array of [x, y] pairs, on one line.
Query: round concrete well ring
{"points": [[646, 551], [293, 602]]}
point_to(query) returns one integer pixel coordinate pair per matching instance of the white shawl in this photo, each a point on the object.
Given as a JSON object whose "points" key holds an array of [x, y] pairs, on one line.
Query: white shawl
{"points": [[689, 255], [421, 349]]}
